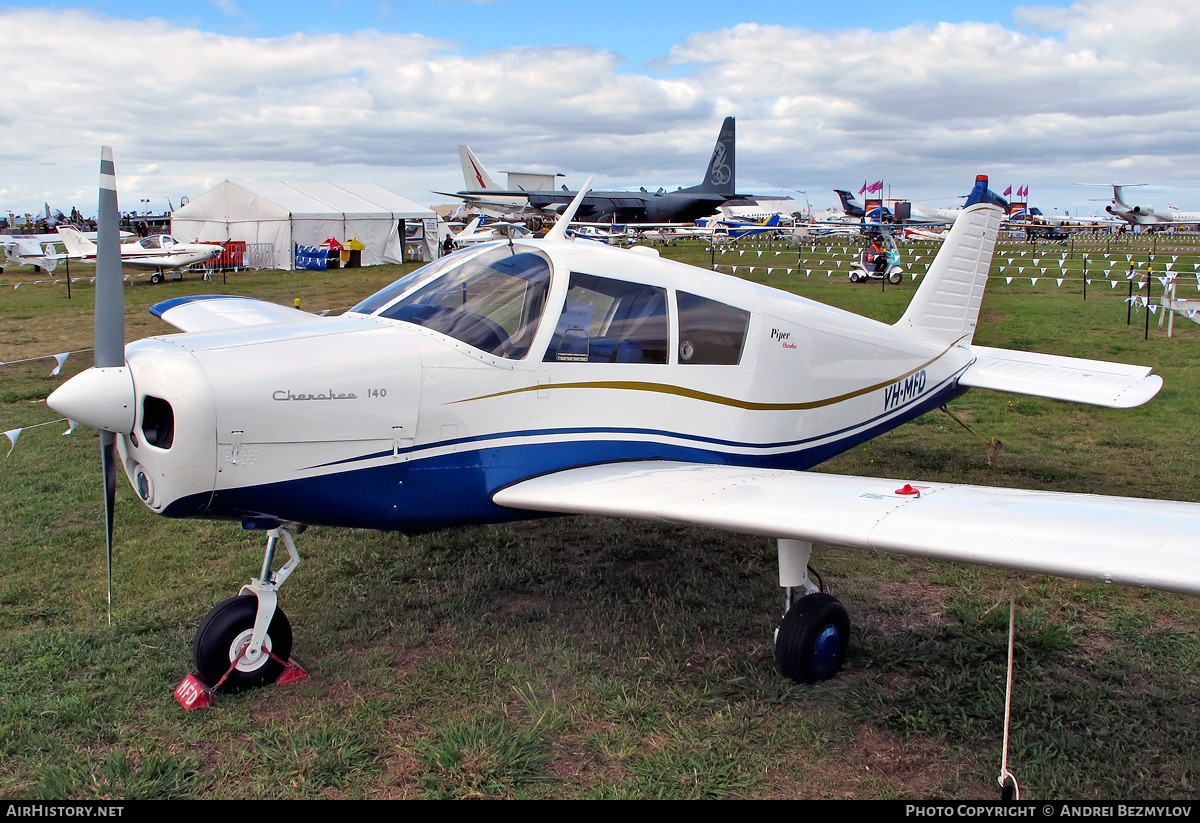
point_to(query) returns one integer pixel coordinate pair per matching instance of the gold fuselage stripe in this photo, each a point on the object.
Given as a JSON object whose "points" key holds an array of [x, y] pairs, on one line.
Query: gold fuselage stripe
{"points": [[680, 391]]}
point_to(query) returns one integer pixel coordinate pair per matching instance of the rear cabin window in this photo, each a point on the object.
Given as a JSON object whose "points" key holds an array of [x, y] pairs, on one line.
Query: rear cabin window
{"points": [[611, 321], [710, 333]]}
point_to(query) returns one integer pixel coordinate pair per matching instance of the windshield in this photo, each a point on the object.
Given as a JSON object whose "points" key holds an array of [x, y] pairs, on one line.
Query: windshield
{"points": [[422, 275], [492, 301]]}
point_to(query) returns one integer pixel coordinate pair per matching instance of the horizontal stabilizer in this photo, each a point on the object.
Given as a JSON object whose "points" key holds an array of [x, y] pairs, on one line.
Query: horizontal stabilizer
{"points": [[1114, 385], [1132, 542], [213, 312]]}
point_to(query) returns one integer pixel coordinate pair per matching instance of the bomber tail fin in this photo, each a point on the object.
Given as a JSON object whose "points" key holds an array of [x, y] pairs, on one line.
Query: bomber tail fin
{"points": [[720, 176], [475, 175], [946, 306], [77, 245]]}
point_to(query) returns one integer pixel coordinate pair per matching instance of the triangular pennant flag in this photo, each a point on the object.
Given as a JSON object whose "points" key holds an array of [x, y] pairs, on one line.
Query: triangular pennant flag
{"points": [[12, 435], [71, 424], [1033, 281], [1112, 283], [1008, 281], [1058, 280], [60, 359]]}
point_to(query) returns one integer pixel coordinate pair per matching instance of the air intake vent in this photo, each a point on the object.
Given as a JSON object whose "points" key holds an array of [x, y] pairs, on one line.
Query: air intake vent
{"points": [[158, 422]]}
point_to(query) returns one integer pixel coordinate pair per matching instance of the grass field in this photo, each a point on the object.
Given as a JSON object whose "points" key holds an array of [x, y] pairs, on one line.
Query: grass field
{"points": [[589, 658]]}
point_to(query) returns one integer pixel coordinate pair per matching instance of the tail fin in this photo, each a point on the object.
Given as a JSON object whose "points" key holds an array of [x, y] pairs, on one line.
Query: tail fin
{"points": [[1118, 197], [719, 178], [474, 174], [945, 308], [77, 245], [850, 206]]}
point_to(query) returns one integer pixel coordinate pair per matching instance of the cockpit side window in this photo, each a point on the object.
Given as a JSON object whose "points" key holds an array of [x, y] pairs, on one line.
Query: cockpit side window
{"points": [[611, 321], [710, 333], [150, 242], [493, 302]]}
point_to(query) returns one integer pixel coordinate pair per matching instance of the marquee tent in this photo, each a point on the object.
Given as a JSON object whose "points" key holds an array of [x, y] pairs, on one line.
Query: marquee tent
{"points": [[286, 214]]}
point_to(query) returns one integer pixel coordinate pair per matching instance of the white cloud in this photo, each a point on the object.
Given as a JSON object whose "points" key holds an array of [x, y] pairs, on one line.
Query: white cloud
{"points": [[1079, 94]]}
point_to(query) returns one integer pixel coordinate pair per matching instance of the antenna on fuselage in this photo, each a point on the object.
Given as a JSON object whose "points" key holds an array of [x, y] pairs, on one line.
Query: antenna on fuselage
{"points": [[559, 231]]}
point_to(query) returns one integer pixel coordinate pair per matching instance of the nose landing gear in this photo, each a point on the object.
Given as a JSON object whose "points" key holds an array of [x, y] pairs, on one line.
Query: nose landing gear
{"points": [[245, 641]]}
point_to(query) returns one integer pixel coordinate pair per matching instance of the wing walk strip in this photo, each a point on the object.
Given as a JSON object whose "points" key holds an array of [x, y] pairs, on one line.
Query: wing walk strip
{"points": [[680, 391], [1135, 542]]}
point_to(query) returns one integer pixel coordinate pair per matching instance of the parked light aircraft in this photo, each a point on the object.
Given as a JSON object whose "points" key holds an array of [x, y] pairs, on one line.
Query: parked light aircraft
{"points": [[641, 206], [477, 232], [158, 251], [1147, 215], [527, 377], [31, 250]]}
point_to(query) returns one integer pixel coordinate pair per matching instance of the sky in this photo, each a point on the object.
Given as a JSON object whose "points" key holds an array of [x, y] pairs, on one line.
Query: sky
{"points": [[923, 96]]}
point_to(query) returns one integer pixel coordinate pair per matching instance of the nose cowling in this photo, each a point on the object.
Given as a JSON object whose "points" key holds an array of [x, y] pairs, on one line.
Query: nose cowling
{"points": [[102, 398]]}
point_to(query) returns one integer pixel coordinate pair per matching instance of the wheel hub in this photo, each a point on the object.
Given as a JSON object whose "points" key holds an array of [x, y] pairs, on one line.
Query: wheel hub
{"points": [[252, 659]]}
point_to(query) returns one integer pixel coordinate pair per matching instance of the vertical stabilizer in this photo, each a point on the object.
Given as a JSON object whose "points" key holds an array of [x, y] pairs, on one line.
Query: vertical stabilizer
{"points": [[946, 306], [474, 174], [77, 245], [719, 179], [850, 206]]}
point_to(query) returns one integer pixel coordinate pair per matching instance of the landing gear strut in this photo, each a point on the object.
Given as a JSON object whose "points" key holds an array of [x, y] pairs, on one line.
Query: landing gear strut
{"points": [[245, 641], [812, 638]]}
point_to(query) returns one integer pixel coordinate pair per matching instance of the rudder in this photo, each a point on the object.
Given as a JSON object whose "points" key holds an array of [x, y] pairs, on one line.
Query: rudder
{"points": [[945, 308]]}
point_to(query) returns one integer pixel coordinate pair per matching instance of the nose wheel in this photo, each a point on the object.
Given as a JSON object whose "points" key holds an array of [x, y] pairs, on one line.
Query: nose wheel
{"points": [[222, 646], [245, 641]]}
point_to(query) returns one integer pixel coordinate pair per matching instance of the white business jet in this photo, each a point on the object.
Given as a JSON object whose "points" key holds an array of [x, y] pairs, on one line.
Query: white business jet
{"points": [[523, 377]]}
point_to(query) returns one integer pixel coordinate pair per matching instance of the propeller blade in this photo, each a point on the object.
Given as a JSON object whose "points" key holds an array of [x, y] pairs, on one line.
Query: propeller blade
{"points": [[110, 329], [110, 287], [108, 461]]}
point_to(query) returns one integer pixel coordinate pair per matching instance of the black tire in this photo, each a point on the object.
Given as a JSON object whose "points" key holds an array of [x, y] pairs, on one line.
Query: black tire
{"points": [[156, 277], [895, 277], [854, 277], [228, 623], [813, 638]]}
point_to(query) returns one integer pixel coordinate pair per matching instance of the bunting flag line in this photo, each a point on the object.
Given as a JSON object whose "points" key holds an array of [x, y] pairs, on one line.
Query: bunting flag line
{"points": [[60, 359], [13, 434]]}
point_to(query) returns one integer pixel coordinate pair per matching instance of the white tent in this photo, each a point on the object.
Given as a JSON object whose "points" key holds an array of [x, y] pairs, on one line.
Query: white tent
{"points": [[285, 214]]}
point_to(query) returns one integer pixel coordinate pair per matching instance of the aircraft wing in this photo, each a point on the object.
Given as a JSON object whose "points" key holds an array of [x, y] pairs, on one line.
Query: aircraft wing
{"points": [[1135, 542], [213, 312], [1114, 385]]}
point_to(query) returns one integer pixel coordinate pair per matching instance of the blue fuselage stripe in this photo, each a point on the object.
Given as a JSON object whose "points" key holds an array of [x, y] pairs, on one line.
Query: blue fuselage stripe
{"points": [[457, 487]]}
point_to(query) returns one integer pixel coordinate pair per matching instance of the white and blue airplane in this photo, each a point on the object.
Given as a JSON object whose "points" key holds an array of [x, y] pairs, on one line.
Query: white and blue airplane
{"points": [[526, 377]]}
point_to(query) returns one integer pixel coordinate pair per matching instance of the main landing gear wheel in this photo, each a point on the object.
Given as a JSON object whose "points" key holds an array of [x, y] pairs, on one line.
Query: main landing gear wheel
{"points": [[812, 639], [225, 631], [156, 278], [895, 277]]}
